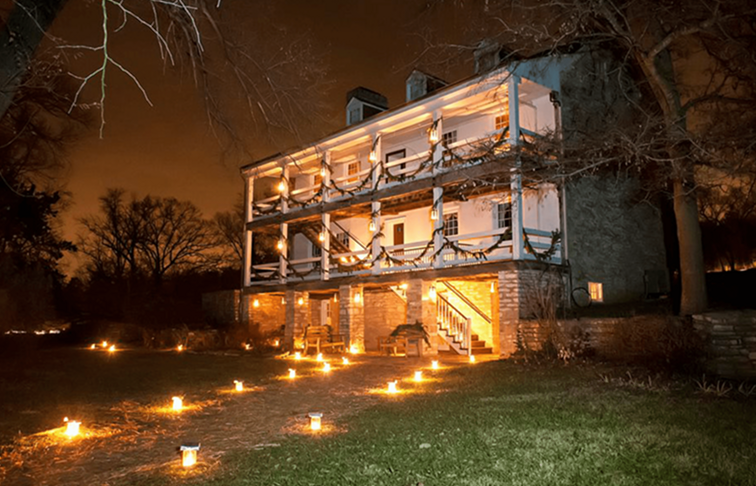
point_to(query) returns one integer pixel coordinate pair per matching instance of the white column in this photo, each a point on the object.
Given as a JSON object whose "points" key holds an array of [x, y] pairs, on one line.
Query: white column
{"points": [[438, 224], [377, 166], [375, 248], [326, 176], [516, 178], [438, 151], [325, 253], [249, 187], [282, 263]]}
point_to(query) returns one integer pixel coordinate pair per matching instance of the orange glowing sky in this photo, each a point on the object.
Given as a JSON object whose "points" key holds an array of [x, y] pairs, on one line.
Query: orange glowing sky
{"points": [[167, 149]]}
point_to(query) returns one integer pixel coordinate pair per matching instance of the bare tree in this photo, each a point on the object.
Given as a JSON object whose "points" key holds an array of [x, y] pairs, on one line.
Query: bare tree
{"points": [[693, 64], [229, 231]]}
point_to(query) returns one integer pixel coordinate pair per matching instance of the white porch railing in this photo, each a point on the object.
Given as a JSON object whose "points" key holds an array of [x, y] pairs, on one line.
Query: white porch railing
{"points": [[456, 326]]}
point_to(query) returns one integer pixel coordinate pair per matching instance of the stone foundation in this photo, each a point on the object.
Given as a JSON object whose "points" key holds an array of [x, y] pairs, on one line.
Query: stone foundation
{"points": [[730, 343]]}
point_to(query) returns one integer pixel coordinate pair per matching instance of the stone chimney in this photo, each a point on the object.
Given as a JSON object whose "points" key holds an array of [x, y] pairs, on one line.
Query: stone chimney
{"points": [[363, 103], [420, 84]]}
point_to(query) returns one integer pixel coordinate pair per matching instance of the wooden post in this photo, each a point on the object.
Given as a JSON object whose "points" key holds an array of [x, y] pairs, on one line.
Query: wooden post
{"points": [[282, 263], [375, 247], [438, 225], [249, 186], [516, 178]]}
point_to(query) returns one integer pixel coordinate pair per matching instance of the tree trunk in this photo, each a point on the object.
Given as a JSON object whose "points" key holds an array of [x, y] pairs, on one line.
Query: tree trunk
{"points": [[692, 274], [19, 38]]}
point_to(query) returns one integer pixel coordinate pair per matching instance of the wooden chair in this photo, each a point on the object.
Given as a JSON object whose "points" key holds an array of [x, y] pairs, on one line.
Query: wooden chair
{"points": [[321, 338]]}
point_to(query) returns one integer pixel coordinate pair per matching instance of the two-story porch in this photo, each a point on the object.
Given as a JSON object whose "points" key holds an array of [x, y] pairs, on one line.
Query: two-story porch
{"points": [[419, 211]]}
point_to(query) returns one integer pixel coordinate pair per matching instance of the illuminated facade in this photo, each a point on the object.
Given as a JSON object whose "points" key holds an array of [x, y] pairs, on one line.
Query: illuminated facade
{"points": [[412, 214]]}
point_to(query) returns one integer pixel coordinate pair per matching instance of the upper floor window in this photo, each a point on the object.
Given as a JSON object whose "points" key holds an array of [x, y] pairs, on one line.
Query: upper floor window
{"points": [[352, 169], [354, 115], [397, 155], [343, 238], [317, 251], [501, 122], [504, 215], [451, 224], [449, 138]]}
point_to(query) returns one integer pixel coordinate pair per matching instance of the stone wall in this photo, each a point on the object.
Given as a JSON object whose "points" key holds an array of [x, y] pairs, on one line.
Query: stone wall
{"points": [[221, 309], [267, 316], [384, 311], [297, 317], [730, 342], [352, 315], [612, 237]]}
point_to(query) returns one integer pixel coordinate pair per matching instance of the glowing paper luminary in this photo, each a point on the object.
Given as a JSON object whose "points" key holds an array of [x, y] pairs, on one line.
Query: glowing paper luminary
{"points": [[104, 344], [326, 367], [392, 387], [320, 357], [418, 376], [189, 454], [238, 385], [472, 358], [112, 348], [247, 347], [72, 427], [434, 364], [344, 360], [178, 404], [297, 356], [316, 421], [180, 348], [353, 349], [94, 346], [292, 373]]}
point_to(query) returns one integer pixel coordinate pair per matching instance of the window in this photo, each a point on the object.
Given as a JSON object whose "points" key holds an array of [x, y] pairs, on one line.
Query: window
{"points": [[451, 224], [317, 181], [317, 251], [354, 115], [343, 238], [449, 138], [501, 122], [352, 169], [504, 215], [397, 155], [597, 291]]}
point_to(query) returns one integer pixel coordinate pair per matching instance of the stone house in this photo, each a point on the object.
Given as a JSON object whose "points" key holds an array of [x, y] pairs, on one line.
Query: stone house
{"points": [[418, 213]]}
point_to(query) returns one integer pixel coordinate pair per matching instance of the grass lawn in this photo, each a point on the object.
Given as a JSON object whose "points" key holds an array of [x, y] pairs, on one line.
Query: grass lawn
{"points": [[506, 424]]}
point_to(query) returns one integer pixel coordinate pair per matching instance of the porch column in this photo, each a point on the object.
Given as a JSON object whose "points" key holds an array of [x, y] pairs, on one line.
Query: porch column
{"points": [[352, 315], [375, 247], [377, 166], [509, 311], [421, 308], [516, 178], [297, 317], [284, 230], [249, 185], [495, 317], [325, 246], [438, 226], [436, 148]]}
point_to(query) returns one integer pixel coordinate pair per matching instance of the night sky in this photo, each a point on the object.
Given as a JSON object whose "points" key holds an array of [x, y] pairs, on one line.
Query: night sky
{"points": [[167, 149]]}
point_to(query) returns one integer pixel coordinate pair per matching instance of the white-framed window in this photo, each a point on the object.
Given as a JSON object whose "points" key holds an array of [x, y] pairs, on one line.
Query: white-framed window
{"points": [[504, 214], [317, 251], [353, 168], [501, 122], [451, 224], [596, 290], [397, 155], [449, 138]]}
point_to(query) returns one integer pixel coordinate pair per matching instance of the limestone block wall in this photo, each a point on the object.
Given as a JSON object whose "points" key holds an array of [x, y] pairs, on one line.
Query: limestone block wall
{"points": [[297, 317], [384, 310], [731, 342], [421, 308], [352, 315], [612, 236], [268, 316]]}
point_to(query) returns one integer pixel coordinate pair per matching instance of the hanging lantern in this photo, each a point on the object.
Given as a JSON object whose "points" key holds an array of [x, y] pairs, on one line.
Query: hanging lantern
{"points": [[316, 421], [178, 404], [434, 214], [493, 287], [72, 427], [392, 387], [282, 186], [432, 293], [292, 373], [189, 454], [418, 376], [322, 172], [434, 364], [433, 134], [238, 385], [373, 156], [321, 236], [280, 244], [256, 303], [371, 226]]}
